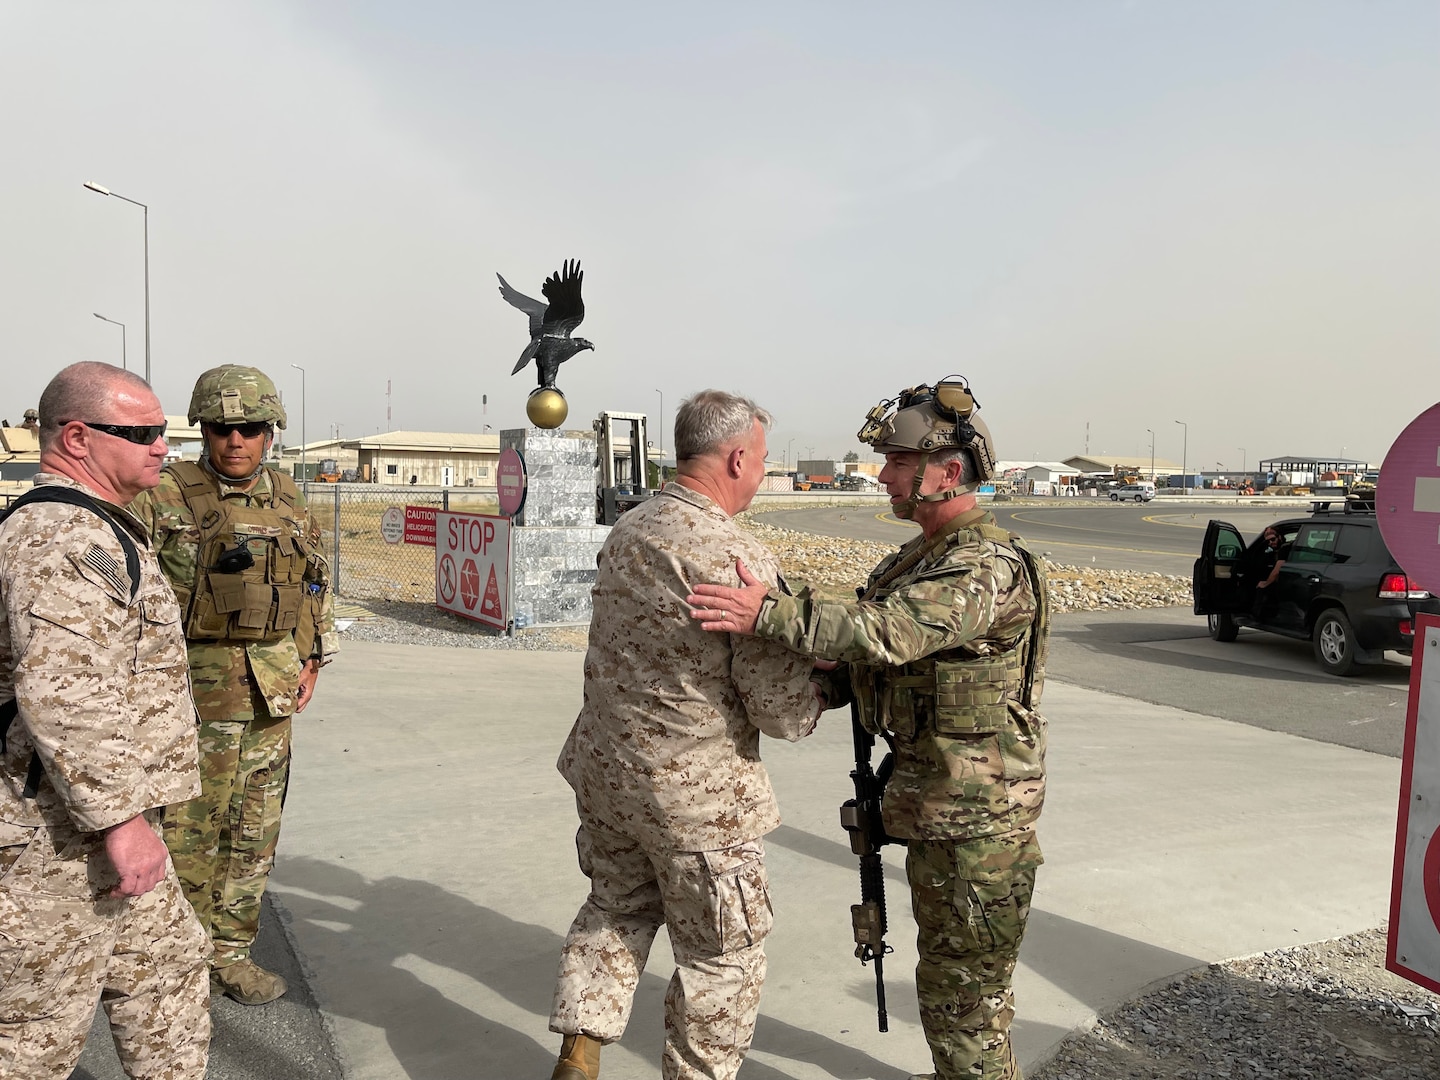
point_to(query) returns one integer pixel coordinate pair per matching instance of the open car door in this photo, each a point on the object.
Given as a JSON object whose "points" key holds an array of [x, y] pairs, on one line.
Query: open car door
{"points": [[1216, 582]]}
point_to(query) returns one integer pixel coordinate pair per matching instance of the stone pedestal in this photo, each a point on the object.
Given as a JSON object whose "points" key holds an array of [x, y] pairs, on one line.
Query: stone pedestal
{"points": [[555, 541]]}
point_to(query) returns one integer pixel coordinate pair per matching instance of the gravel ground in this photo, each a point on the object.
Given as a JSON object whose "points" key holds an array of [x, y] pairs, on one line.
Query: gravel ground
{"points": [[1313, 1012], [1309, 1013]]}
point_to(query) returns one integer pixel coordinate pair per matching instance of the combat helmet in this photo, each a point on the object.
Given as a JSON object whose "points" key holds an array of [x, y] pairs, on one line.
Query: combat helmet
{"points": [[932, 419], [234, 394]]}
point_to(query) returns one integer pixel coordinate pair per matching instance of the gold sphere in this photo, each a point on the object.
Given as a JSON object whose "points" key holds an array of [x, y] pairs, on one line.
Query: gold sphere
{"points": [[546, 408]]}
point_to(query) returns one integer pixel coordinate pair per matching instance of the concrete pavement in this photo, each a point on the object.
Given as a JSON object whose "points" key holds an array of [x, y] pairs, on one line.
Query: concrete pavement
{"points": [[428, 874], [427, 877]]}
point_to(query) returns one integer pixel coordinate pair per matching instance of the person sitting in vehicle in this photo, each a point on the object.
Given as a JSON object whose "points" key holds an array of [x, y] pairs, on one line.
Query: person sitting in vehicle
{"points": [[1268, 559]]}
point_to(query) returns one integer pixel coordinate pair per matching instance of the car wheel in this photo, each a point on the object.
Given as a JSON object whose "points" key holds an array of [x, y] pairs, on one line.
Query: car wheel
{"points": [[1222, 627], [1114, 497], [1139, 498], [1334, 642]]}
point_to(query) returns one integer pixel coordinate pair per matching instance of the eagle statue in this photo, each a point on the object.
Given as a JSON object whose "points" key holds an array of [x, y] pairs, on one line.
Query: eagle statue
{"points": [[552, 322]]}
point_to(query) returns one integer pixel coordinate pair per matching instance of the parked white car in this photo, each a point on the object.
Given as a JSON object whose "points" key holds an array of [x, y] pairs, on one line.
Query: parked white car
{"points": [[1141, 492]]}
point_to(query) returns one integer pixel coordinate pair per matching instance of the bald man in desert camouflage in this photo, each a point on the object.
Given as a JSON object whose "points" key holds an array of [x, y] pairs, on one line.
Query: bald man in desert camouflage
{"points": [[99, 736]]}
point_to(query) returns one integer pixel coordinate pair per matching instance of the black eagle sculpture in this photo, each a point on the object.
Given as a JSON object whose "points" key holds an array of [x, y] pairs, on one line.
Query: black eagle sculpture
{"points": [[552, 323]]}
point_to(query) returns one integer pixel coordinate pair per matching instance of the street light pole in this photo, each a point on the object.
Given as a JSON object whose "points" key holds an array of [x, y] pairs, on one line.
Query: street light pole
{"points": [[1184, 459], [136, 202], [660, 469], [1152, 454], [124, 366], [303, 476], [1242, 457], [789, 461]]}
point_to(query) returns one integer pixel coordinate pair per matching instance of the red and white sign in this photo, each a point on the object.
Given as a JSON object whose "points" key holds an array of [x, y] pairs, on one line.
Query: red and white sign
{"points": [[510, 481], [420, 525], [1413, 948], [392, 524], [1407, 499], [472, 566]]}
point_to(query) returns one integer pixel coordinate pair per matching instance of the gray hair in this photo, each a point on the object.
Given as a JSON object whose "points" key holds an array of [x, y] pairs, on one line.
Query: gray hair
{"points": [[968, 471], [84, 391], [708, 420]]}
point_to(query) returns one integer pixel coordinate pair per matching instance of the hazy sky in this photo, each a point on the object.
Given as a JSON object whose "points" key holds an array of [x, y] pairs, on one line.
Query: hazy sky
{"points": [[1113, 213]]}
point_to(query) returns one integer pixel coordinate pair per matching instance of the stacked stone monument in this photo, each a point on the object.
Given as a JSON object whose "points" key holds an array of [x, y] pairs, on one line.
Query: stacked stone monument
{"points": [[555, 539]]}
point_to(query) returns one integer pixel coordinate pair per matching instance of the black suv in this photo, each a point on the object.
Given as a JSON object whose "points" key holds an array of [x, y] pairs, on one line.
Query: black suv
{"points": [[1339, 586]]}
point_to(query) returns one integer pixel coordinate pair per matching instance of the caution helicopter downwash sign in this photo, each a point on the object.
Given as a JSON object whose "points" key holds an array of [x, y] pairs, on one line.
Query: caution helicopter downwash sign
{"points": [[472, 566]]}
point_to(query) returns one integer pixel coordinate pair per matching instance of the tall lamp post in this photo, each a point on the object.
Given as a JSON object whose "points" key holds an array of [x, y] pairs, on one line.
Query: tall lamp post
{"points": [[1184, 460], [1152, 454], [134, 202], [1242, 458], [789, 461], [661, 468], [123, 365], [303, 475]]}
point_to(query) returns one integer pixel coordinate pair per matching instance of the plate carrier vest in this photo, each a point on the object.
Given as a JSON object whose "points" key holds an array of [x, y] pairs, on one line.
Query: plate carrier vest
{"points": [[959, 693], [262, 602]]}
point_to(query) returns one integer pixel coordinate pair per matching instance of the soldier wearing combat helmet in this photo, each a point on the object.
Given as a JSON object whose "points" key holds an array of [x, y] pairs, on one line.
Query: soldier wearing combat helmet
{"points": [[944, 652], [245, 559]]}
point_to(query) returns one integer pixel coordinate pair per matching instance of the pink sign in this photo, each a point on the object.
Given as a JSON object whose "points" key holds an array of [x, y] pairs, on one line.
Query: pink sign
{"points": [[510, 481], [1407, 499]]}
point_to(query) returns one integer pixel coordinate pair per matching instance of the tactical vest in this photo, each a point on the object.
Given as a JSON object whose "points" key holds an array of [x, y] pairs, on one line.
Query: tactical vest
{"points": [[957, 693], [262, 602]]}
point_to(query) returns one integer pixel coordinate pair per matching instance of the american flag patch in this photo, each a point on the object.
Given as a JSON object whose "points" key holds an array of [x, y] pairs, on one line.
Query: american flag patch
{"points": [[101, 560]]}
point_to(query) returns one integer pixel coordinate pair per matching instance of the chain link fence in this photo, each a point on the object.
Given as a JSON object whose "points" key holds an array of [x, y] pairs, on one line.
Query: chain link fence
{"points": [[368, 567]]}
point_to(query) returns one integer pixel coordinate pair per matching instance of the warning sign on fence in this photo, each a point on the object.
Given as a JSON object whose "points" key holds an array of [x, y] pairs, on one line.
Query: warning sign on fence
{"points": [[420, 525], [472, 566]]}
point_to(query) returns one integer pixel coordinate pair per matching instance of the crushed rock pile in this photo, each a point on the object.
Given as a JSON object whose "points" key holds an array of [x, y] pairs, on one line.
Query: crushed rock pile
{"points": [[1312, 1012]]}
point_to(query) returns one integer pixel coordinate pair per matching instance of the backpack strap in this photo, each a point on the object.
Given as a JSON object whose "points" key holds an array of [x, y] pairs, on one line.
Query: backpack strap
{"points": [[56, 493]]}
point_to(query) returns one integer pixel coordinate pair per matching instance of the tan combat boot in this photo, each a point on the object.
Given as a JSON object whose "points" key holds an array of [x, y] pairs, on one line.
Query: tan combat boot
{"points": [[247, 982], [579, 1059]]}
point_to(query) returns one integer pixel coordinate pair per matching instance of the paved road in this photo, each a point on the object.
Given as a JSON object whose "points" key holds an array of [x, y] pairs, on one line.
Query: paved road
{"points": [[1165, 656], [1113, 536]]}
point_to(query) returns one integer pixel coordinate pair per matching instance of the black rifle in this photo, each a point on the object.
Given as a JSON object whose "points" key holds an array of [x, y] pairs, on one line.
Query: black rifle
{"points": [[861, 818]]}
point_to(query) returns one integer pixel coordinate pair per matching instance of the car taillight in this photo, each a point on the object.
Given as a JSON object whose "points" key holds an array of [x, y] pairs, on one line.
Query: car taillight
{"points": [[1400, 587], [1406, 630]]}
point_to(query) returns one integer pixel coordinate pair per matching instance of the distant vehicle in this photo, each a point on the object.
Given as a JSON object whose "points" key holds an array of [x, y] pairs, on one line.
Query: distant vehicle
{"points": [[1339, 587], [1141, 492]]}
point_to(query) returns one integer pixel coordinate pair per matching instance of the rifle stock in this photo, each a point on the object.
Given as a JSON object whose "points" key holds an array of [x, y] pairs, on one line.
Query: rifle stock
{"points": [[860, 817]]}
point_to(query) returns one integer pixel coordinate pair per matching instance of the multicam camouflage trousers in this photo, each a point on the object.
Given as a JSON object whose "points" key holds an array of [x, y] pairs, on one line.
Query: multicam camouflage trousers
{"points": [[716, 907], [971, 900], [223, 843], [64, 945]]}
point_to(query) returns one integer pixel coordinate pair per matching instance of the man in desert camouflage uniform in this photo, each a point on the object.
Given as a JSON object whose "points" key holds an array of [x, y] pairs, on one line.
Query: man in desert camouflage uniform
{"points": [[97, 735], [665, 762], [244, 557], [944, 652]]}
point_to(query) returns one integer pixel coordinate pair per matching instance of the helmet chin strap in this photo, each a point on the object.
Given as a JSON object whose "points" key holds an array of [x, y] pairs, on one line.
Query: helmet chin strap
{"points": [[906, 510]]}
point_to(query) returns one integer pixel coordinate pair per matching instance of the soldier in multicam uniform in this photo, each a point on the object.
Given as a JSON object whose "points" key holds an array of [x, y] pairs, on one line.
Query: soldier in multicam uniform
{"points": [[665, 762], [245, 559], [97, 735], [945, 654]]}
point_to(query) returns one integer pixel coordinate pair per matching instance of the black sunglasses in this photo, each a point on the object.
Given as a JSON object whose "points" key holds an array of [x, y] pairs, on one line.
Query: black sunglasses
{"points": [[249, 431], [141, 434]]}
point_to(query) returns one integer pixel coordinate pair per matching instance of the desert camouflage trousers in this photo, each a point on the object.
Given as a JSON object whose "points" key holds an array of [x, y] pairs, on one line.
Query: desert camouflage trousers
{"points": [[223, 843], [62, 950], [716, 908], [971, 900]]}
